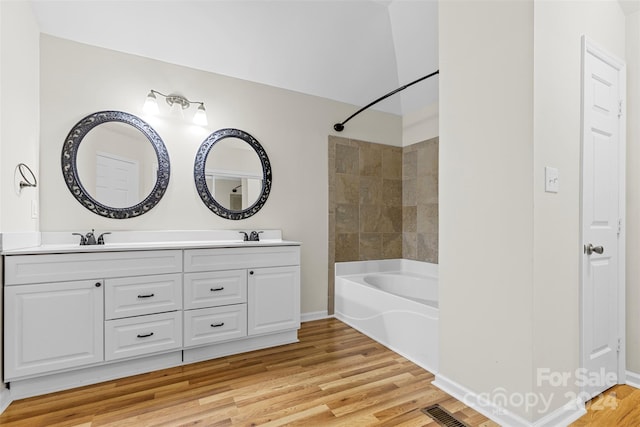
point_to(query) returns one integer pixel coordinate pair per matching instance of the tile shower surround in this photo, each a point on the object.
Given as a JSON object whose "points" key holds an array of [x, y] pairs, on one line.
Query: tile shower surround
{"points": [[383, 202]]}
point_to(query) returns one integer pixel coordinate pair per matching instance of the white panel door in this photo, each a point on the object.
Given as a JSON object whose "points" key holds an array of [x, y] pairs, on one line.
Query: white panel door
{"points": [[602, 198], [53, 326], [117, 182]]}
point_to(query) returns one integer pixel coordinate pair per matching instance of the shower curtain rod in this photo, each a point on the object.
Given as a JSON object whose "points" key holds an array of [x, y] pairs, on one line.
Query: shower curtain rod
{"points": [[339, 127]]}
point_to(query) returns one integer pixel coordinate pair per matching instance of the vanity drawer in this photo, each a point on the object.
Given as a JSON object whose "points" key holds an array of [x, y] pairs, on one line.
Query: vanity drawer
{"points": [[196, 260], [215, 288], [137, 336], [211, 325], [47, 268], [136, 296]]}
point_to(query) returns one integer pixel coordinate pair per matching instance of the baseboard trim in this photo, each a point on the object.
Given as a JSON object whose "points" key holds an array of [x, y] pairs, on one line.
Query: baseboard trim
{"points": [[5, 399], [560, 417], [314, 315], [633, 379]]}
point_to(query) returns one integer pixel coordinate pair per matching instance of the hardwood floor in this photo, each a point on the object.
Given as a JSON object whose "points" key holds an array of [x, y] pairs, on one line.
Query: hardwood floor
{"points": [[618, 406], [334, 376]]}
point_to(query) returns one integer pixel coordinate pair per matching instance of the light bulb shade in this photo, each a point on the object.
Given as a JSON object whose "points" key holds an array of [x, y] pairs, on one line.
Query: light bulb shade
{"points": [[151, 104], [200, 117]]}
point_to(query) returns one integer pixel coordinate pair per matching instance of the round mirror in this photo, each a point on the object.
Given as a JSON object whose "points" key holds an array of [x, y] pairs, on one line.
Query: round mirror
{"points": [[232, 174], [115, 164]]}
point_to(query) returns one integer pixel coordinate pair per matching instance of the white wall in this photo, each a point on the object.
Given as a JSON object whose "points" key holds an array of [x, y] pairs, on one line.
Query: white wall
{"points": [[559, 27], [78, 79], [509, 106], [18, 112], [19, 123], [633, 192], [420, 125], [486, 203]]}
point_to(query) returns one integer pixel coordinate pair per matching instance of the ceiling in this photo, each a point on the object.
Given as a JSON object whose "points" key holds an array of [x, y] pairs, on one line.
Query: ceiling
{"points": [[352, 51]]}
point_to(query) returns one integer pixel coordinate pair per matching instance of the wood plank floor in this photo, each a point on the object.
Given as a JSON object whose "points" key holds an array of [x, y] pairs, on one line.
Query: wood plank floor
{"points": [[618, 406], [334, 376]]}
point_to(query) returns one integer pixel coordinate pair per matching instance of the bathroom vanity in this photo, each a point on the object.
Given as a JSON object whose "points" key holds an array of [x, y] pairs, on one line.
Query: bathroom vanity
{"points": [[76, 315]]}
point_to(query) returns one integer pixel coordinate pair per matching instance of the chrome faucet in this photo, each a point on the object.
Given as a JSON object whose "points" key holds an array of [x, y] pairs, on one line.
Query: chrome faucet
{"points": [[90, 238], [245, 237], [255, 236]]}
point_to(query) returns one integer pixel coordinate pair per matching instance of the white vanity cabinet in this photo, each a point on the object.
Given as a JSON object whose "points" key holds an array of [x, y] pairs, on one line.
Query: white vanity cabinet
{"points": [[55, 306], [233, 293], [87, 315]]}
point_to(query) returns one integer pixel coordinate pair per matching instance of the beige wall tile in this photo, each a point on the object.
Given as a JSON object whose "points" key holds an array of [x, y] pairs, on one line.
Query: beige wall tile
{"points": [[347, 247], [370, 246], [427, 218], [370, 218], [391, 245], [370, 160], [410, 164], [370, 190], [347, 189], [409, 192], [409, 219], [392, 192], [409, 245], [392, 162], [347, 159], [347, 220]]}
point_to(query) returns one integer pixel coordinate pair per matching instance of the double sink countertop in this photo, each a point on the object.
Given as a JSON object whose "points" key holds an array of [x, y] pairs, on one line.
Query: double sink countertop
{"points": [[65, 242]]}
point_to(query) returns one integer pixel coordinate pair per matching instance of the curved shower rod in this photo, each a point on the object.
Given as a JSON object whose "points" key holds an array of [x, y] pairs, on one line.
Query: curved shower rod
{"points": [[339, 127]]}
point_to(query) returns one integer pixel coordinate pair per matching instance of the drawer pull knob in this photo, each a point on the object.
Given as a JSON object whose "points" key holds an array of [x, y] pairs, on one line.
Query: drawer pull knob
{"points": [[145, 335], [217, 325], [221, 288], [98, 284], [146, 296]]}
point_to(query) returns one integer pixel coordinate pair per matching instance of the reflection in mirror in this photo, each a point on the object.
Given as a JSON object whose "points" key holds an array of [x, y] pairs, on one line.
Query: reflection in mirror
{"points": [[232, 174], [115, 164]]}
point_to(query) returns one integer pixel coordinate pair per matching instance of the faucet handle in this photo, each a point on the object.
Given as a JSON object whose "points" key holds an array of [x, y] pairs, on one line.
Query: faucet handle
{"points": [[246, 236], [101, 238], [83, 240]]}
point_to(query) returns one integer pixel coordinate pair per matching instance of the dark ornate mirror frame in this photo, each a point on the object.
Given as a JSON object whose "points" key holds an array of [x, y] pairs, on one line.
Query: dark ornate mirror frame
{"points": [[201, 183], [70, 167]]}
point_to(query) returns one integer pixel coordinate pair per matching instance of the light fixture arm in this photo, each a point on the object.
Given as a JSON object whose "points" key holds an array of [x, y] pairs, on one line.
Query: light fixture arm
{"points": [[177, 99], [151, 105]]}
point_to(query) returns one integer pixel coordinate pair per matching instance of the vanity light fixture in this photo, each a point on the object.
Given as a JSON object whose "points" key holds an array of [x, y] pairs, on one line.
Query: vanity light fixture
{"points": [[175, 101]]}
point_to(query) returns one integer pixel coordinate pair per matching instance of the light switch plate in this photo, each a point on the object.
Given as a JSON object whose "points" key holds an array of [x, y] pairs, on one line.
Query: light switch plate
{"points": [[551, 180]]}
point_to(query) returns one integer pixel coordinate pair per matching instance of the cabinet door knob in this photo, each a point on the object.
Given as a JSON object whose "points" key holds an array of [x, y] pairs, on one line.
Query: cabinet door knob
{"points": [[251, 272], [98, 284]]}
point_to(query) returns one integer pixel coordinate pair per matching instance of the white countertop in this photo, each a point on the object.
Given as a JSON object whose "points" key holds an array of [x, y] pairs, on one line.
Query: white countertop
{"points": [[65, 242]]}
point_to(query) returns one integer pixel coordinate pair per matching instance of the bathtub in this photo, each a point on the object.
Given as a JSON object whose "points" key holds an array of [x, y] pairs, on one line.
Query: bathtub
{"points": [[394, 302]]}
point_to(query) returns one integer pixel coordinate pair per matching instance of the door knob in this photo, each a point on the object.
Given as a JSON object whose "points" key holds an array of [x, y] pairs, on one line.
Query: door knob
{"points": [[589, 249]]}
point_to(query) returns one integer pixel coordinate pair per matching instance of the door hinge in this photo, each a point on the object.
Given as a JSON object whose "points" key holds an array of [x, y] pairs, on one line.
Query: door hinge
{"points": [[620, 108], [619, 345], [619, 226]]}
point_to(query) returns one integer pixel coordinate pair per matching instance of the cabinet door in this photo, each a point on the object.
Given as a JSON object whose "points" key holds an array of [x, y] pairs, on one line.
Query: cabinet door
{"points": [[273, 300], [49, 327]]}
